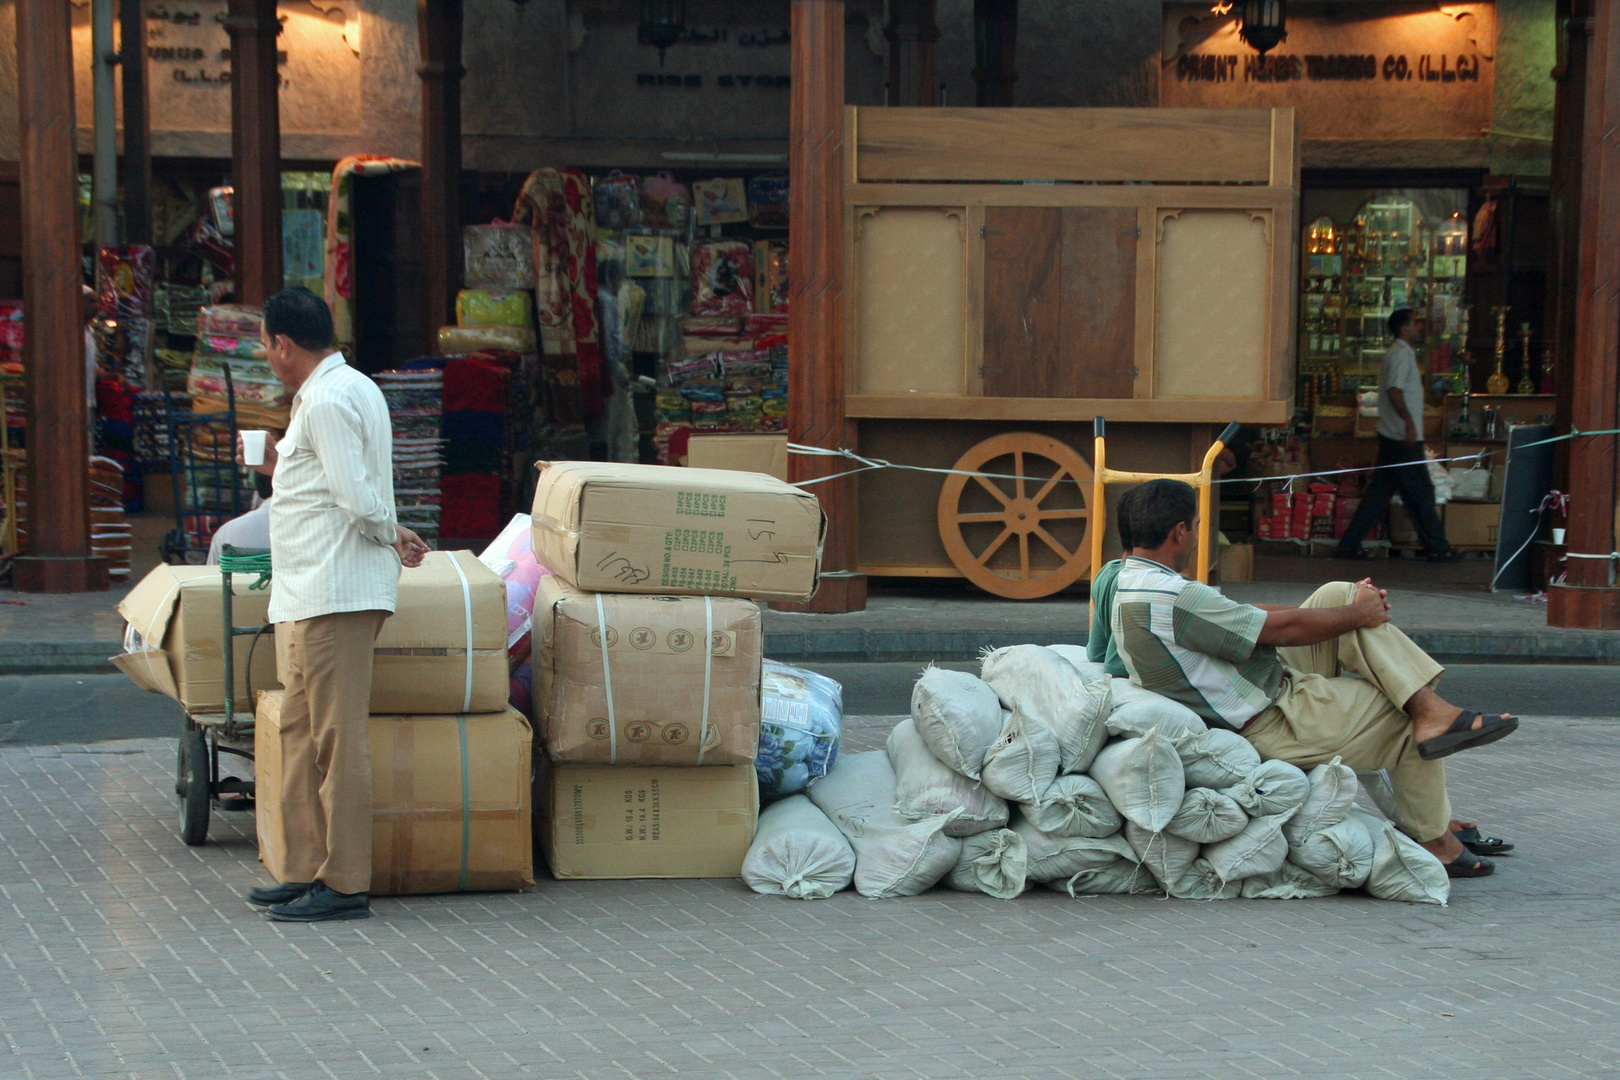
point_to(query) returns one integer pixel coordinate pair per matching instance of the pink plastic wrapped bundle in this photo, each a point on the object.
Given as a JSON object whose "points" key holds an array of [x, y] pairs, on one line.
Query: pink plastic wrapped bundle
{"points": [[513, 561], [723, 278]]}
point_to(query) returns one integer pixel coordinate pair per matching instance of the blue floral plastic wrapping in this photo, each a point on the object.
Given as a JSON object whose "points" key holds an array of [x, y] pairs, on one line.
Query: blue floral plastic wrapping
{"points": [[802, 725]]}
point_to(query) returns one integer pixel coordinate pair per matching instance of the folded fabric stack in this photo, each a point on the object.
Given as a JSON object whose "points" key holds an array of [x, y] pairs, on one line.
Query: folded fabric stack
{"points": [[109, 530], [151, 440], [475, 413], [415, 410], [230, 362]]}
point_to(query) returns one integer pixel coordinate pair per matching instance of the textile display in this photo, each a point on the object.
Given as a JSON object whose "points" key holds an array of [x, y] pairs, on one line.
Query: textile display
{"points": [[557, 205], [471, 505], [340, 236], [415, 410]]}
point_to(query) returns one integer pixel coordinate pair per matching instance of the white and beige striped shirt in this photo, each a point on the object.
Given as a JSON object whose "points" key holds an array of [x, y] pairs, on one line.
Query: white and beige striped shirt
{"points": [[332, 521]]}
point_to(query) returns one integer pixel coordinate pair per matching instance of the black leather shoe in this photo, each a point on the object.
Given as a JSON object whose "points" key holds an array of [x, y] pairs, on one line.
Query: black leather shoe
{"points": [[321, 904], [285, 893]]}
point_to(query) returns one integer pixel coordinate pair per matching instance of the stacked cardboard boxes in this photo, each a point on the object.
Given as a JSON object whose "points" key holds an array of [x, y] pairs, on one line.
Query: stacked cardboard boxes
{"points": [[648, 650]]}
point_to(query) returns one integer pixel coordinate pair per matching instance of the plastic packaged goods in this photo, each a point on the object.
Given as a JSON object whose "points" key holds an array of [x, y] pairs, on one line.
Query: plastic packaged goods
{"points": [[457, 340], [498, 256], [802, 722], [231, 320], [490, 307], [768, 201], [618, 201], [666, 203], [513, 561], [722, 278], [722, 201], [770, 276], [124, 281]]}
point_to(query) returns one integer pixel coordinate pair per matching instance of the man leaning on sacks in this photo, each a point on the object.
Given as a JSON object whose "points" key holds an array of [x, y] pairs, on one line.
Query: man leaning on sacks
{"points": [[1279, 675]]}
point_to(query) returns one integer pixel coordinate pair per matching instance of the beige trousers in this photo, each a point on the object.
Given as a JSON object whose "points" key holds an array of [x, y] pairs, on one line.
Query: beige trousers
{"points": [[325, 667], [1321, 714]]}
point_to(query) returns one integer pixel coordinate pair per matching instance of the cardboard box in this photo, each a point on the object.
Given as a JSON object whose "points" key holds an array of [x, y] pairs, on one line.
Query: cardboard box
{"points": [[661, 701], [766, 453], [606, 821], [661, 530], [1472, 524], [1237, 563], [451, 607], [450, 798], [178, 613]]}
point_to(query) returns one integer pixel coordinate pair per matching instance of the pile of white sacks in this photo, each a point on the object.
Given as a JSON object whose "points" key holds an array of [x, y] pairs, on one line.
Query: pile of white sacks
{"points": [[1047, 772]]}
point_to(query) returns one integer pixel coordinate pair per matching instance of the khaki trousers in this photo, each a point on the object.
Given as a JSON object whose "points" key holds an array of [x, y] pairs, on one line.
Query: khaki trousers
{"points": [[1320, 714], [325, 668]]}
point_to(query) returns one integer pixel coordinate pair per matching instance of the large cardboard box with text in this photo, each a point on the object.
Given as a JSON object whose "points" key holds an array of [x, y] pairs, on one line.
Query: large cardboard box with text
{"points": [[646, 680], [443, 650], [450, 800], [656, 529], [607, 821]]}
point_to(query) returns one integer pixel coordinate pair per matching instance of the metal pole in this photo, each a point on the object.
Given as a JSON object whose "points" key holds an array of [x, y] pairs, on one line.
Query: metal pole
{"points": [[106, 112]]}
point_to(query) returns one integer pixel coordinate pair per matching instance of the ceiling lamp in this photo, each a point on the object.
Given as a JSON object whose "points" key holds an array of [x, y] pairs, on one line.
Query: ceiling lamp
{"points": [[661, 24], [1265, 24]]}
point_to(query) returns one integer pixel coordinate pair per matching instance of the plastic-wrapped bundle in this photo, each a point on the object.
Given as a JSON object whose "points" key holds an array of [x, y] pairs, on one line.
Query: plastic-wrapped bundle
{"points": [[498, 256], [457, 340], [240, 348], [512, 558], [722, 278], [124, 281], [231, 320], [801, 727], [489, 307]]}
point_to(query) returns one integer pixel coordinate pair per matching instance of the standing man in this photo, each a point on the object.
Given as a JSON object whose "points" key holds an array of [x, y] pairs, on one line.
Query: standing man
{"points": [[337, 550], [1400, 444]]}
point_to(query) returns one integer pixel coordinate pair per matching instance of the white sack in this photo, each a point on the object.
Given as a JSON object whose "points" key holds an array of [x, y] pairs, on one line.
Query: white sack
{"points": [[1090, 670], [1341, 854], [1143, 779], [995, 863], [1273, 787], [1053, 858], [1167, 857], [1023, 762], [924, 787], [1288, 882], [1258, 849], [1207, 816], [1075, 805], [958, 716], [1333, 793], [1402, 869], [1137, 711], [1381, 791], [1218, 758], [1046, 690], [893, 856], [798, 852], [1203, 882], [1119, 876]]}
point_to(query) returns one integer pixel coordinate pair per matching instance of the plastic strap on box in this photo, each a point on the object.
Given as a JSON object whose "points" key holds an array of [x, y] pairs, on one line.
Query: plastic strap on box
{"points": [[466, 803], [607, 681], [708, 673], [466, 610]]}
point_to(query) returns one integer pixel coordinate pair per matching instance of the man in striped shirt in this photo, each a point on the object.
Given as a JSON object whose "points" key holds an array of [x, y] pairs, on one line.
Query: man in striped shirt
{"points": [[1278, 675], [337, 550]]}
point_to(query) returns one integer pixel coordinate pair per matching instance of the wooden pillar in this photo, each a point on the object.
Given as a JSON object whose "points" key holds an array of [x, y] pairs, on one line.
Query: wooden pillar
{"points": [[137, 125], [1569, 112], [439, 24], [1590, 600], [816, 289], [58, 558], [995, 51], [256, 147], [912, 33]]}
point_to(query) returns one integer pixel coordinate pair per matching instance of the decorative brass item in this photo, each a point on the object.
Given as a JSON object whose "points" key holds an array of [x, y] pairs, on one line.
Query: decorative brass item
{"points": [[1498, 382]]}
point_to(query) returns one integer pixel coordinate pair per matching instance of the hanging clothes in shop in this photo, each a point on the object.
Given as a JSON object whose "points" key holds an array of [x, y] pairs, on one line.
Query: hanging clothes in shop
{"points": [[340, 237], [557, 205]]}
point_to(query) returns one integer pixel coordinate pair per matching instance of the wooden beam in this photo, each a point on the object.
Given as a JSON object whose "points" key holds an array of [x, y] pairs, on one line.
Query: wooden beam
{"points": [[137, 125], [1596, 389], [912, 32], [995, 53], [58, 558], [816, 287], [1563, 271], [255, 147], [439, 30]]}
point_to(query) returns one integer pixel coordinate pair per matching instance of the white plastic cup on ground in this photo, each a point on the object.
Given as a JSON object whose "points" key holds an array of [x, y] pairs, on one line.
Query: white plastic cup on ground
{"points": [[253, 447], [1558, 536]]}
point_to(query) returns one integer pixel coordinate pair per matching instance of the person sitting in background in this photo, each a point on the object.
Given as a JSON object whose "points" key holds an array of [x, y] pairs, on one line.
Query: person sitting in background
{"points": [[1100, 647], [1330, 678]]}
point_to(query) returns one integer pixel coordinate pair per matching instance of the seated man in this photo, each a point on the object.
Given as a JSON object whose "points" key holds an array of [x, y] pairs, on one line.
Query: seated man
{"points": [[1273, 673], [1100, 647]]}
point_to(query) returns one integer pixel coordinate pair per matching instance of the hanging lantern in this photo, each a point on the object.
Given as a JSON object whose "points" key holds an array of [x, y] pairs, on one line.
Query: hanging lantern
{"points": [[661, 24], [1265, 24]]}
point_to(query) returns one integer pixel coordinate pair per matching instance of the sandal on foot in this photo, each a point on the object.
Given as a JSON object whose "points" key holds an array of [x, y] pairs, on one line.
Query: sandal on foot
{"points": [[1462, 735], [1470, 865], [1479, 844]]}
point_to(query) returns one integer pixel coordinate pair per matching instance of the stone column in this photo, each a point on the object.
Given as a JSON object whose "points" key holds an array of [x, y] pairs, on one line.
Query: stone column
{"points": [[816, 288], [58, 558]]}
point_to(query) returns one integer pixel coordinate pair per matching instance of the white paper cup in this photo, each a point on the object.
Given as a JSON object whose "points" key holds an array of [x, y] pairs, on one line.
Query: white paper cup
{"points": [[253, 447], [1558, 536]]}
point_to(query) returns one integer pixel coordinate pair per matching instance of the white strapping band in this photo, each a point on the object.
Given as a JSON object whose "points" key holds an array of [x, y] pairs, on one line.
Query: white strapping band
{"points": [[466, 606], [708, 673], [607, 681]]}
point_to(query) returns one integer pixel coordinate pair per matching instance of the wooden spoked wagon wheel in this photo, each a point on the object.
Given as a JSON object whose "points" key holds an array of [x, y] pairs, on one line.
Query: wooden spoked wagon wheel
{"points": [[1020, 530]]}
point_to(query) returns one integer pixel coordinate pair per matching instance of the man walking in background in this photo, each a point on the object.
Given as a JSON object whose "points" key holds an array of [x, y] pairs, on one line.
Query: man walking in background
{"points": [[1401, 462], [337, 550]]}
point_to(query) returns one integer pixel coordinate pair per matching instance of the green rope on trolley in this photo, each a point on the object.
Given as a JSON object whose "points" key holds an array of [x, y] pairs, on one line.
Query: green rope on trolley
{"points": [[230, 562]]}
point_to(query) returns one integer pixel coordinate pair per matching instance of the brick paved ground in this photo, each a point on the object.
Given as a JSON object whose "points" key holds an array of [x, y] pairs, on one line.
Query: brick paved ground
{"points": [[125, 954]]}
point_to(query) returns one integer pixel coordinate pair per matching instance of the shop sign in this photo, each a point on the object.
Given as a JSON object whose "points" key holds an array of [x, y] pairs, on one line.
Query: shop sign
{"points": [[1365, 72]]}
